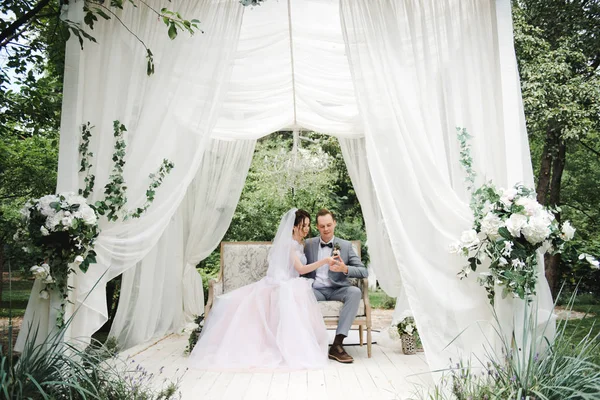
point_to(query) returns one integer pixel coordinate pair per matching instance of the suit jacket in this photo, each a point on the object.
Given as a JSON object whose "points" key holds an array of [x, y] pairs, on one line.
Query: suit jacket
{"points": [[356, 269]]}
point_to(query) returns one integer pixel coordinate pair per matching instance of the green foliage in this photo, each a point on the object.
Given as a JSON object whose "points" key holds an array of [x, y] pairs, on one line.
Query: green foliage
{"points": [[195, 334], [530, 367], [55, 369], [379, 299]]}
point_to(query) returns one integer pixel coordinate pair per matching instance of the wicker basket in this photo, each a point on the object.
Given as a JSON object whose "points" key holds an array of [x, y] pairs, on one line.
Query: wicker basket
{"points": [[408, 344]]}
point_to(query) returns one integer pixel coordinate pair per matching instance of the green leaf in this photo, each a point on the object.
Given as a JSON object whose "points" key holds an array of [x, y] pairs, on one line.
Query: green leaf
{"points": [[172, 31]]}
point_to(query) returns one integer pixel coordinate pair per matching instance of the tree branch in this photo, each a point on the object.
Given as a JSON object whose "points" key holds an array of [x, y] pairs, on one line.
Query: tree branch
{"points": [[11, 30], [589, 148], [581, 211]]}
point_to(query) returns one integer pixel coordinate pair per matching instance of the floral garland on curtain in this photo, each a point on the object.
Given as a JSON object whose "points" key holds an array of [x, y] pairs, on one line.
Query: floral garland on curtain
{"points": [[511, 229], [61, 229]]}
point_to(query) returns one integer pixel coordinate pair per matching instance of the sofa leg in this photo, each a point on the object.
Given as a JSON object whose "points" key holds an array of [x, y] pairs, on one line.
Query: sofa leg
{"points": [[360, 334], [369, 341]]}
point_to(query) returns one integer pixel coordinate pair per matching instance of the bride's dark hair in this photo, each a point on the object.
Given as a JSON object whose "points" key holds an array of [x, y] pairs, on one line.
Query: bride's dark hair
{"points": [[300, 216]]}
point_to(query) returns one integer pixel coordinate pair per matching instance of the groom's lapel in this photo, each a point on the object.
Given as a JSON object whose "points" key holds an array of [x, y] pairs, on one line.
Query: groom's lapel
{"points": [[316, 249]]}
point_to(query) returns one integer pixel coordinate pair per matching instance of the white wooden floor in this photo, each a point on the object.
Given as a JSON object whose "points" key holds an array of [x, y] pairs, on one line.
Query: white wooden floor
{"points": [[388, 374]]}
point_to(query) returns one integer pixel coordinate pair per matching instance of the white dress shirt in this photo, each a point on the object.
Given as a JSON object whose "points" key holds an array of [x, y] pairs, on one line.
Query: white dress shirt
{"points": [[322, 278]]}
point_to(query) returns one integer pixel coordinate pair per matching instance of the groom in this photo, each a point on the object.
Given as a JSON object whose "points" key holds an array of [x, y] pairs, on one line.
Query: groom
{"points": [[331, 281]]}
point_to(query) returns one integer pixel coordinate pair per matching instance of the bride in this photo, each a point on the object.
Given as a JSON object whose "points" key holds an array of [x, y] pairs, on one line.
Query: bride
{"points": [[273, 323]]}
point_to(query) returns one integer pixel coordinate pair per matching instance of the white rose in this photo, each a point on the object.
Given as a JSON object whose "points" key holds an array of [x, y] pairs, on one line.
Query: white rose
{"points": [[67, 222], [567, 231], [39, 272], [546, 247], [44, 230], [515, 223], [53, 221], [537, 229], [409, 329], [48, 279], [44, 294], [78, 260], [508, 196], [490, 225], [88, 215], [530, 205], [469, 238], [455, 248]]}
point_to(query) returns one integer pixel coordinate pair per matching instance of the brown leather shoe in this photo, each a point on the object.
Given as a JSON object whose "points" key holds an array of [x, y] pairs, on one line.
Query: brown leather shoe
{"points": [[337, 353]]}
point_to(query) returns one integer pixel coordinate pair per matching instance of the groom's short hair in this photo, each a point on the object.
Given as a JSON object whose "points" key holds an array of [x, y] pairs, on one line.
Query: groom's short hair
{"points": [[322, 212]]}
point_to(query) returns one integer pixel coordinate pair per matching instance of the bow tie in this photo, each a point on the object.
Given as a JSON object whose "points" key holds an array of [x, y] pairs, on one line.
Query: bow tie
{"points": [[330, 245]]}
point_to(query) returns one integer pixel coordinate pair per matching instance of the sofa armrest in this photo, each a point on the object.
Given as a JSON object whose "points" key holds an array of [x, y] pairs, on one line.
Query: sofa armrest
{"points": [[215, 288]]}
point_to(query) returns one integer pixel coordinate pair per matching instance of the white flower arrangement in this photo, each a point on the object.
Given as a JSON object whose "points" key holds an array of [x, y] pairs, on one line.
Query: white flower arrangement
{"points": [[63, 227], [407, 327], [511, 229]]}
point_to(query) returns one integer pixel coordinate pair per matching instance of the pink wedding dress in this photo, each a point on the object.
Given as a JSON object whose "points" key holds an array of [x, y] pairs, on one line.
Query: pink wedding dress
{"points": [[274, 323]]}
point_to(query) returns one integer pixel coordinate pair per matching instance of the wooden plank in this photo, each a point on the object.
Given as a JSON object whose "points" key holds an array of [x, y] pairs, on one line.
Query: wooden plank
{"points": [[279, 386], [203, 386], [237, 386], [298, 387], [316, 385], [217, 391], [259, 386]]}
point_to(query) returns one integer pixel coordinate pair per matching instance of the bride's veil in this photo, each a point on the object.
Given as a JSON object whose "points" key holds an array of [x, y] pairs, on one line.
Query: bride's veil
{"points": [[281, 261]]}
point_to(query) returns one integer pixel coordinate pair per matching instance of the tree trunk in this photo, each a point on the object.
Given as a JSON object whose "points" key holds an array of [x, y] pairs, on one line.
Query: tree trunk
{"points": [[543, 185], [552, 267], [1, 269]]}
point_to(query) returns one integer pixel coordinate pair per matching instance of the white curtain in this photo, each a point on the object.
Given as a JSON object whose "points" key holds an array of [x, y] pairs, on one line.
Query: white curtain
{"points": [[290, 77], [164, 290], [421, 68], [381, 254], [168, 115]]}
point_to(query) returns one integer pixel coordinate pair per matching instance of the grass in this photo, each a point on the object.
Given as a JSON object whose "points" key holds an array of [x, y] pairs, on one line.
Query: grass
{"points": [[17, 297], [576, 330], [379, 299]]}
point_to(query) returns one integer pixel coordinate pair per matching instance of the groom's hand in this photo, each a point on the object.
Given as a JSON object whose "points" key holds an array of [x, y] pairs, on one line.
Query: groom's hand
{"points": [[339, 265]]}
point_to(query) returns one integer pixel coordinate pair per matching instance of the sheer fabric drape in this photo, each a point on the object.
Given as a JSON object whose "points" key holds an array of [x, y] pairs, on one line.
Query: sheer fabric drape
{"points": [[168, 115], [164, 290], [420, 69]]}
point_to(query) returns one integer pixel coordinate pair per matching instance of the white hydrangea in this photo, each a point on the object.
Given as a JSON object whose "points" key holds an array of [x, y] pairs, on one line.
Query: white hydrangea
{"points": [[537, 229], [43, 204], [515, 223]]}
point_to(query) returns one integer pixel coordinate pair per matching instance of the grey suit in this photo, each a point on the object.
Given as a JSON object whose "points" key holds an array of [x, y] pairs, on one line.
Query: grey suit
{"points": [[341, 288]]}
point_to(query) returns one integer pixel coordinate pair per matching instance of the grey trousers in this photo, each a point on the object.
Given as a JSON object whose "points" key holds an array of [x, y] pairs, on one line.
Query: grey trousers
{"points": [[350, 296]]}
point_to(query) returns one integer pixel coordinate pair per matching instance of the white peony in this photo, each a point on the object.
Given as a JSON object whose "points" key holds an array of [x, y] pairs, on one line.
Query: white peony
{"points": [[537, 229], [567, 232], [515, 223], [44, 294], [490, 225], [44, 230], [78, 260], [469, 238]]}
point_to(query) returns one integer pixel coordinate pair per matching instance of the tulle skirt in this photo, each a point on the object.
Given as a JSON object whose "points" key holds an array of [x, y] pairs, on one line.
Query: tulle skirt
{"points": [[266, 325]]}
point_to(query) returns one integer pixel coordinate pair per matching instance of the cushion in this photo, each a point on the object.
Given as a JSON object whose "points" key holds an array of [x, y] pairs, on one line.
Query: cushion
{"points": [[332, 308]]}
